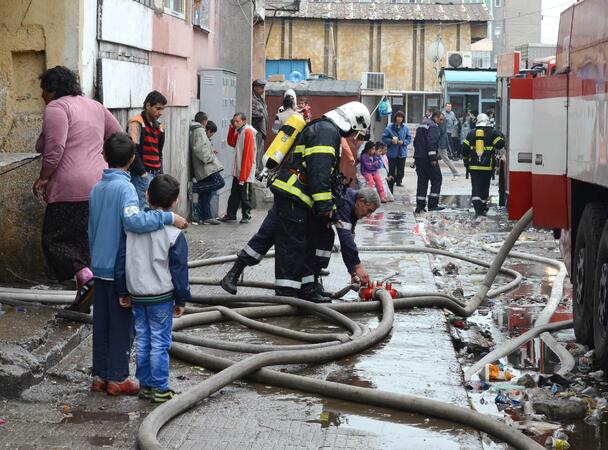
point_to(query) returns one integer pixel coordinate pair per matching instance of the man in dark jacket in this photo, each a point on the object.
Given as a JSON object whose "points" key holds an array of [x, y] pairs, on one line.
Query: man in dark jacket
{"points": [[426, 146], [259, 119], [479, 154], [306, 190], [355, 205]]}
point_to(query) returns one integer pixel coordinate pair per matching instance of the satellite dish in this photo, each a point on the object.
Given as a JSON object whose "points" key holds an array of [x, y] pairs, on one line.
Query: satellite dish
{"points": [[435, 51]]}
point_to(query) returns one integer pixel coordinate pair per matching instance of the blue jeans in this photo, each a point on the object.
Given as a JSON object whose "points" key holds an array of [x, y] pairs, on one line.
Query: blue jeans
{"points": [[141, 184], [152, 341], [205, 189], [112, 333]]}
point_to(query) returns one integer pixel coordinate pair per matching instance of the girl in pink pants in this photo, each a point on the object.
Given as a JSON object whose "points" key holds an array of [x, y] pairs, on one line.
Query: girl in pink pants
{"points": [[370, 169]]}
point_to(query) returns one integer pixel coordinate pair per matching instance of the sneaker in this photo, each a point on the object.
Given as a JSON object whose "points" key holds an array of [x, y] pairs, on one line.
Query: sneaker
{"points": [[227, 219], [163, 396], [146, 393], [127, 387], [211, 222], [436, 208], [246, 220], [99, 385]]}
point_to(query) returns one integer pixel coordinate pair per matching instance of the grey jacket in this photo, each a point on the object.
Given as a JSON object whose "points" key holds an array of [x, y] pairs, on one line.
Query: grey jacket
{"points": [[259, 115], [204, 161]]}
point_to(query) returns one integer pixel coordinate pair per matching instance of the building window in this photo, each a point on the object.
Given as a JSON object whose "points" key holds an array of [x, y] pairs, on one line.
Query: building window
{"points": [[176, 8], [200, 14], [147, 3], [497, 3]]}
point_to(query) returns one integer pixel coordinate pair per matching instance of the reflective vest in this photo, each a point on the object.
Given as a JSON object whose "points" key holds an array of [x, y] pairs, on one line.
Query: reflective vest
{"points": [[479, 148], [151, 143]]}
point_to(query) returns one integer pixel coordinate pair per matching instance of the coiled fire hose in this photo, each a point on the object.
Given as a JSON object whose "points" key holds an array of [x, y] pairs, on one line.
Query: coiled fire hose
{"points": [[325, 347]]}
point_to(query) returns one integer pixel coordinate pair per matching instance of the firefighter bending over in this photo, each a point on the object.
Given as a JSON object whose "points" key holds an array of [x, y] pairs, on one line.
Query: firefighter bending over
{"points": [[307, 190], [479, 154]]}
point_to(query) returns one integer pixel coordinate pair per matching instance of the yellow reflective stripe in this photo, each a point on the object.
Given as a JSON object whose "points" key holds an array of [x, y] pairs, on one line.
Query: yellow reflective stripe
{"points": [[292, 179], [498, 138], [299, 149], [480, 168], [465, 142], [321, 196], [294, 191], [320, 149], [489, 147]]}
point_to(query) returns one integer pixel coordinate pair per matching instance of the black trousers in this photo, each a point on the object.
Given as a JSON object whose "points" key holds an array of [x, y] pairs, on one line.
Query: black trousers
{"points": [[427, 173], [240, 196], [396, 169], [455, 144], [319, 243], [480, 189], [65, 238]]}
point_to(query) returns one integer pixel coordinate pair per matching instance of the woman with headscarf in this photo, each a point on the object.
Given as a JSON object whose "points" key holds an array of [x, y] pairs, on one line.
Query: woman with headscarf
{"points": [[286, 110], [74, 129]]}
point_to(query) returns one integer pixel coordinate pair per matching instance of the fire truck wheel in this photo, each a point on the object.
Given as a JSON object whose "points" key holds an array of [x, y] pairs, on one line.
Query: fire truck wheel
{"points": [[600, 303], [583, 269]]}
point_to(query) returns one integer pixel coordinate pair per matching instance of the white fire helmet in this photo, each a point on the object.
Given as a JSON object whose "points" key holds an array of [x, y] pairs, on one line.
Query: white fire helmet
{"points": [[352, 116], [483, 121]]}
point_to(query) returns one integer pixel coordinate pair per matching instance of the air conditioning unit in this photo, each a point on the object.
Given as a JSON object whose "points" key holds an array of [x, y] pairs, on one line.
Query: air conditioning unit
{"points": [[372, 80], [459, 60]]}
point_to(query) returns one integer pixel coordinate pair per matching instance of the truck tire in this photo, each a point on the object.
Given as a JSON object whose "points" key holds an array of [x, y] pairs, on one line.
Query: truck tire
{"points": [[600, 303], [583, 269]]}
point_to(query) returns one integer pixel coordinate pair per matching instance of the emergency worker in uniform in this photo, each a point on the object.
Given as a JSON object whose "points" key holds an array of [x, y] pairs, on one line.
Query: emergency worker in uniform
{"points": [[355, 205], [426, 147], [307, 190], [479, 155]]}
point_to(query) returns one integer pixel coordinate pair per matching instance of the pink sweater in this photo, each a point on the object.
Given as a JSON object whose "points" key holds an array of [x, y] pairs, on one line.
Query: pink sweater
{"points": [[74, 129]]}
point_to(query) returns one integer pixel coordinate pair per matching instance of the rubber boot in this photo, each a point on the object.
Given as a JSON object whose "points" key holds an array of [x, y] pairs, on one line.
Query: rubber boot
{"points": [[320, 289], [231, 279]]}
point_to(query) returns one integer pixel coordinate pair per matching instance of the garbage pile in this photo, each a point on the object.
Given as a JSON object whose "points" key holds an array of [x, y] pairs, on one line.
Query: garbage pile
{"points": [[545, 405]]}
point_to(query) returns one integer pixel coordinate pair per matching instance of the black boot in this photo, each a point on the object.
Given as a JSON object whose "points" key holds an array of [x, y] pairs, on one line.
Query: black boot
{"points": [[311, 294], [231, 279], [320, 289]]}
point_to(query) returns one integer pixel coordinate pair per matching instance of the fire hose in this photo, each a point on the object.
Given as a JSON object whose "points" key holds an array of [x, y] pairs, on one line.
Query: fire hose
{"points": [[324, 348]]}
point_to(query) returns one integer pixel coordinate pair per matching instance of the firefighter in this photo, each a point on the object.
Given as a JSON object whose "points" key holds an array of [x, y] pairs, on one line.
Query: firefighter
{"points": [[426, 146], [355, 205], [306, 189], [479, 154]]}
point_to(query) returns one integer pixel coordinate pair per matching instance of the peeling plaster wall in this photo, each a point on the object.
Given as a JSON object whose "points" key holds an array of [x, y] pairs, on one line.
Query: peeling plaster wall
{"points": [[36, 35]]}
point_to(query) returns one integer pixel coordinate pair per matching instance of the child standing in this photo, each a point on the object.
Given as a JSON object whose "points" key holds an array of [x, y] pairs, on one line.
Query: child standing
{"points": [[387, 180], [113, 208], [152, 274], [370, 169]]}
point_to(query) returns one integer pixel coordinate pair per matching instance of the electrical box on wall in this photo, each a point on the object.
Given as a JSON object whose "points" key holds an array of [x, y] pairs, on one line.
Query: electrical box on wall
{"points": [[217, 89]]}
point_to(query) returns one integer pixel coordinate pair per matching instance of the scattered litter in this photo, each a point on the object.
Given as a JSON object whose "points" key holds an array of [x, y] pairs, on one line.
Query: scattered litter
{"points": [[2, 421], [478, 386], [451, 268], [65, 408], [134, 415], [526, 381], [493, 372], [597, 375], [556, 444], [20, 309]]}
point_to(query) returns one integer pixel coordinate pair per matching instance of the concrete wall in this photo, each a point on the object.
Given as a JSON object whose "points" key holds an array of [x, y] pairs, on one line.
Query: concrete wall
{"points": [[345, 48], [36, 35], [517, 22], [235, 35], [21, 217]]}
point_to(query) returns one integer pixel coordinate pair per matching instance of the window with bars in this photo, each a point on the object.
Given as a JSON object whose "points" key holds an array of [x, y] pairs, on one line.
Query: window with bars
{"points": [[148, 3], [176, 8]]}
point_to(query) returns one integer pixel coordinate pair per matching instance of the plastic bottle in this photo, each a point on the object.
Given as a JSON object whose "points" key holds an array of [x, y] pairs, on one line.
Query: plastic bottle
{"points": [[492, 372]]}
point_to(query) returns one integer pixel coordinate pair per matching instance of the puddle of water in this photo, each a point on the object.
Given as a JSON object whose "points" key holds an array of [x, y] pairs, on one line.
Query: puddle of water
{"points": [[79, 416]]}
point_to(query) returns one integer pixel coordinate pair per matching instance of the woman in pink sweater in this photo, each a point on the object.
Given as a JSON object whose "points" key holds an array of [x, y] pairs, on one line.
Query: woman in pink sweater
{"points": [[74, 129]]}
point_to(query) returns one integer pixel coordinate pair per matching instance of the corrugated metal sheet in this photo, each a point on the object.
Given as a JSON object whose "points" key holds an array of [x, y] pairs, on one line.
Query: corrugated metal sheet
{"points": [[467, 12], [338, 88]]}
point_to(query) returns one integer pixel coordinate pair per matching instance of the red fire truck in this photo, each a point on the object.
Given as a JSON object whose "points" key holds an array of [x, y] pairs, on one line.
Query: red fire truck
{"points": [[558, 159]]}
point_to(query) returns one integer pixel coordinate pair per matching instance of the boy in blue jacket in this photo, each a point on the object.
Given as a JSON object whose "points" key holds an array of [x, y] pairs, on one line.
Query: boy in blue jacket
{"points": [[152, 273], [113, 208]]}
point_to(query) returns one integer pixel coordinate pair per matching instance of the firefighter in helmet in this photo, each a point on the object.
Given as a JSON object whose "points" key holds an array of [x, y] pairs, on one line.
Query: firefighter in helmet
{"points": [[479, 154], [307, 189]]}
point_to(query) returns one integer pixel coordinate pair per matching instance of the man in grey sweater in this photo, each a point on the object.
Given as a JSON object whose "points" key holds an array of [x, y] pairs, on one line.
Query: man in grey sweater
{"points": [[206, 167]]}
